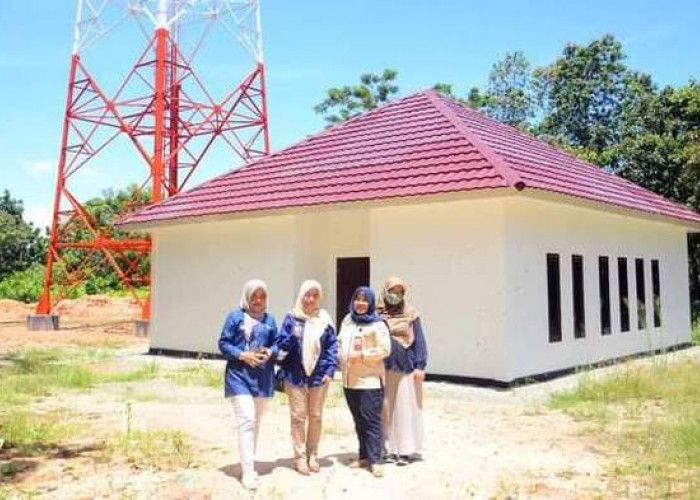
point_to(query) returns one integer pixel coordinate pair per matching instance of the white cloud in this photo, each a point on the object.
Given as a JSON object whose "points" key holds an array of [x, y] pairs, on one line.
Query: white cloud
{"points": [[39, 168], [39, 215]]}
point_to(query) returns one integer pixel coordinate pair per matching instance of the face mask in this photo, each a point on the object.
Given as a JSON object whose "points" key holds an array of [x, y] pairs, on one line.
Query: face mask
{"points": [[393, 299]]}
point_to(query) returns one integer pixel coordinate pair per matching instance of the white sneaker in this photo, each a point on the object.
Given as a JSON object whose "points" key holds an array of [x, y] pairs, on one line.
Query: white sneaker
{"points": [[249, 482]]}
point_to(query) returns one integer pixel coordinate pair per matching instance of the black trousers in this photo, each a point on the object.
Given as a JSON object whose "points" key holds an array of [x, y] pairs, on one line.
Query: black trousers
{"points": [[366, 408]]}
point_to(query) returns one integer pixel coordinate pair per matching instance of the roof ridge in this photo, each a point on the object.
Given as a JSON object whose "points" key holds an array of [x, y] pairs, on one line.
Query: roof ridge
{"points": [[508, 173]]}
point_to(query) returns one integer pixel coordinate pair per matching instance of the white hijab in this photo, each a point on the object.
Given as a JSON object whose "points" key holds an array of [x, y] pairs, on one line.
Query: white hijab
{"points": [[250, 320], [314, 326]]}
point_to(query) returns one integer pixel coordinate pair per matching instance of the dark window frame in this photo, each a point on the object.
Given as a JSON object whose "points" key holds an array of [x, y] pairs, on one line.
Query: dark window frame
{"points": [[623, 293], [578, 292], [656, 292], [640, 286], [554, 297], [604, 295]]}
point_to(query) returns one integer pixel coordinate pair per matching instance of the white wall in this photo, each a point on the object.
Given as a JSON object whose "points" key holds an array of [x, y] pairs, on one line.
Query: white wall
{"points": [[476, 270], [199, 270], [535, 228], [321, 238], [451, 254]]}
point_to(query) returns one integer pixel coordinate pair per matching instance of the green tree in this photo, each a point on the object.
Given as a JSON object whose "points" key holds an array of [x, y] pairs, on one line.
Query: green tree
{"points": [[509, 96], [659, 149], [582, 95], [345, 102], [21, 244], [91, 267], [477, 99], [444, 88], [655, 141]]}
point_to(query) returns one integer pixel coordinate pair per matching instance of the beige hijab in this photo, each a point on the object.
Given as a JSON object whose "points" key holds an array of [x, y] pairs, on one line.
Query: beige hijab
{"points": [[249, 319], [315, 324], [399, 317]]}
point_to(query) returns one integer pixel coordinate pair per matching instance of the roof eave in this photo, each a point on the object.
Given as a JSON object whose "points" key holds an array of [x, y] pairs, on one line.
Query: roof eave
{"points": [[299, 209], [535, 193], [553, 196]]}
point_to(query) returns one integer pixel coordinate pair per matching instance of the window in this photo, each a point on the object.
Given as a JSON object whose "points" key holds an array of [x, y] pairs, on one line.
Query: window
{"points": [[623, 287], [656, 290], [641, 294], [579, 303], [554, 297], [604, 292]]}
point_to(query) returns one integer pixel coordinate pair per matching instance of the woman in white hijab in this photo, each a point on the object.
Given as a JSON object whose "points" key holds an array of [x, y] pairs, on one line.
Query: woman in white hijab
{"points": [[308, 337], [248, 343]]}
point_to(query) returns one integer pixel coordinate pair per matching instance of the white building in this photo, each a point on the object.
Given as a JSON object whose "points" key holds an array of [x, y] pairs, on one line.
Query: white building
{"points": [[522, 260]]}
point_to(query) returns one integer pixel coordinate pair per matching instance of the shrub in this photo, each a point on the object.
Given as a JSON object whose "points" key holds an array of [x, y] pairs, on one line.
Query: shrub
{"points": [[29, 433], [166, 449], [24, 286]]}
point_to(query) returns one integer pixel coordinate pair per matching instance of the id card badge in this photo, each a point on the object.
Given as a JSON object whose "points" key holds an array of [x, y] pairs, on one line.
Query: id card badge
{"points": [[298, 330]]}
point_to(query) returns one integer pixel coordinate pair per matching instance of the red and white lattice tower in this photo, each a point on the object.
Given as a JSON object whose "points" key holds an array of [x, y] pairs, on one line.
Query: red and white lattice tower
{"points": [[158, 113]]}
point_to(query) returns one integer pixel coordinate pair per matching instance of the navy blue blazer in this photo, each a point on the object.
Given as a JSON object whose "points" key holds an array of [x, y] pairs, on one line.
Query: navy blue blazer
{"points": [[415, 357], [240, 378], [292, 365]]}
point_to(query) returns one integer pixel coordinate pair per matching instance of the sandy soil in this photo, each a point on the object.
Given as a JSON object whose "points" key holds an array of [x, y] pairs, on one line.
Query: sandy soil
{"points": [[94, 320], [481, 444], [476, 449], [90, 308], [109, 333]]}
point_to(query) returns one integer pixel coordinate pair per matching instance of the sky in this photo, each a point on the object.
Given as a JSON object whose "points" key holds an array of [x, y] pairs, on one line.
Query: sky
{"points": [[309, 46]]}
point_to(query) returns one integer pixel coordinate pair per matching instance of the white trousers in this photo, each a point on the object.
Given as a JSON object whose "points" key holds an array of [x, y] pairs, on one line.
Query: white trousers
{"points": [[248, 412]]}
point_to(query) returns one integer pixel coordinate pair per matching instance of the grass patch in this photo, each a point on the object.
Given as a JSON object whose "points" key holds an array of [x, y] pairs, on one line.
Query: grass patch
{"points": [[143, 373], [18, 387], [651, 415], [11, 492], [31, 434], [153, 449], [141, 293], [37, 373], [695, 334], [672, 383], [34, 359], [201, 374]]}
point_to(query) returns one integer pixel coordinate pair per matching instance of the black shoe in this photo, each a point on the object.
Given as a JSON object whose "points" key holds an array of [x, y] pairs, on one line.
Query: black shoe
{"points": [[389, 458], [402, 460]]}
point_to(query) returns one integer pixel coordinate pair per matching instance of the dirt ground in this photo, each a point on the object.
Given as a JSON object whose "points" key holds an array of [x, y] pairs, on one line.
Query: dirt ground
{"points": [[95, 320], [481, 443]]}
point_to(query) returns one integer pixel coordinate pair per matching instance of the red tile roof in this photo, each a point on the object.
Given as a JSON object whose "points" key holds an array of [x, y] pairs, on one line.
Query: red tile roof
{"points": [[423, 144]]}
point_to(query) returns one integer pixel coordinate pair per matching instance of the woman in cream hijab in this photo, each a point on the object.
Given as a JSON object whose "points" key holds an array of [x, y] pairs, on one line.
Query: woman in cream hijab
{"points": [[308, 337], [403, 407], [247, 343]]}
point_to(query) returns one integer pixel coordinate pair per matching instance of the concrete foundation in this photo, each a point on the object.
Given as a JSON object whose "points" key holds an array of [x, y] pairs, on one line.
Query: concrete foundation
{"points": [[141, 327], [42, 322]]}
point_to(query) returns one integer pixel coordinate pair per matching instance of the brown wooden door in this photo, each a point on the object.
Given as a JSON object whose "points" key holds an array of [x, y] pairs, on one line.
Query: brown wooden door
{"points": [[350, 272]]}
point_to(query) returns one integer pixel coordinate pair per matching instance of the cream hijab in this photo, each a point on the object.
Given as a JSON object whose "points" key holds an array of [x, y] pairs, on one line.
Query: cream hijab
{"points": [[400, 317], [250, 319], [315, 324]]}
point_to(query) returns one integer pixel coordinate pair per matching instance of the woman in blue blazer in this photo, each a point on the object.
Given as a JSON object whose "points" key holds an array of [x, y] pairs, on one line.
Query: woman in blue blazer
{"points": [[308, 338], [247, 343]]}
